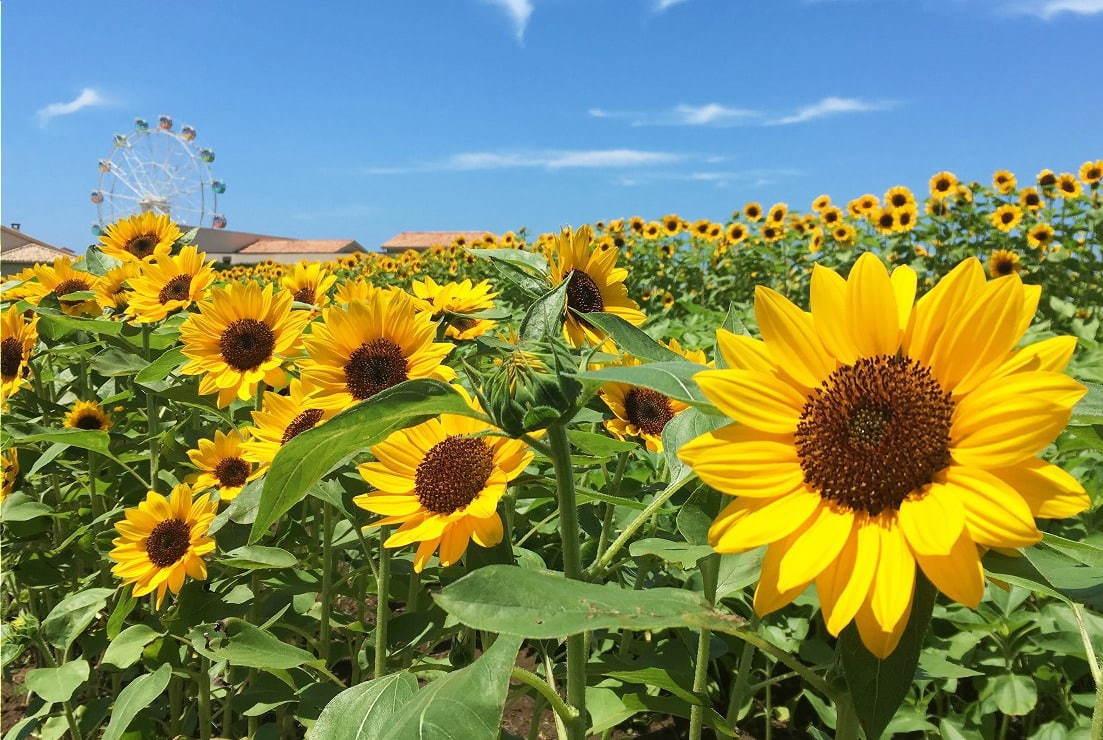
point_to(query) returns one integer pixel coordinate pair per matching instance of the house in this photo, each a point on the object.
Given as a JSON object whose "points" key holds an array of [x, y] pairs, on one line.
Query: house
{"points": [[242, 247], [424, 239], [19, 251]]}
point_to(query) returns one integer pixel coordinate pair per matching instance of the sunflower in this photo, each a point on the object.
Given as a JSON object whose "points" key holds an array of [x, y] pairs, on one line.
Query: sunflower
{"points": [[162, 540], [1003, 181], [1003, 262], [139, 237], [777, 213], [60, 279], [964, 194], [821, 202], [715, 231], [831, 215], [89, 416], [169, 283], [1091, 172], [844, 234], [943, 184], [771, 233], [1046, 179], [113, 289], [444, 301], [815, 239], [221, 464], [735, 233], [884, 220], [593, 284], [357, 351], [906, 217], [938, 208], [281, 418], [9, 468], [309, 283], [1006, 217], [18, 338], [752, 211], [672, 224], [898, 197], [653, 230], [1068, 186], [875, 436], [868, 203], [668, 301], [642, 412], [1031, 199], [1040, 236], [442, 485], [239, 338]]}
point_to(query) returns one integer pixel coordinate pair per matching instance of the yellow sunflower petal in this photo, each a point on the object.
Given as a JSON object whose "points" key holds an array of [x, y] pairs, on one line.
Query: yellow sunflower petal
{"points": [[754, 522], [877, 639], [744, 353], [791, 337], [958, 574], [995, 514], [894, 580], [768, 597], [904, 281], [933, 520], [742, 461], [871, 307], [815, 546], [828, 299], [756, 399], [1049, 491], [844, 584]]}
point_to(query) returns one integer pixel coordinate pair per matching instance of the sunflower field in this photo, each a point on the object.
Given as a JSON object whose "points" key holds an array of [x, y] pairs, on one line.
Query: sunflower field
{"points": [[834, 473]]}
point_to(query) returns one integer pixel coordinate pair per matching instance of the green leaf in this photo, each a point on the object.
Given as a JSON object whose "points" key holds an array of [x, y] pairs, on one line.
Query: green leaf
{"points": [[137, 695], [598, 445], [57, 684], [84, 439], [65, 323], [19, 507], [249, 646], [1089, 409], [160, 368], [682, 553], [127, 646], [463, 705], [115, 362], [72, 615], [305, 459], [1014, 695], [672, 379], [533, 263], [365, 710], [686, 427], [255, 557], [878, 687], [738, 571], [98, 263], [541, 605], [545, 314], [631, 339]]}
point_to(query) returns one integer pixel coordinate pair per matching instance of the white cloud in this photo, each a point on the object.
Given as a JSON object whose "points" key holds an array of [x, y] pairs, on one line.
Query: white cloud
{"points": [[830, 106], [88, 98], [661, 5], [548, 159], [518, 11], [1047, 9], [708, 114], [719, 178]]}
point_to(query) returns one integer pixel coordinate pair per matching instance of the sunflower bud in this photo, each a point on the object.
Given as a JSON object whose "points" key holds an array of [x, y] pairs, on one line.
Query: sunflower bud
{"points": [[531, 388]]}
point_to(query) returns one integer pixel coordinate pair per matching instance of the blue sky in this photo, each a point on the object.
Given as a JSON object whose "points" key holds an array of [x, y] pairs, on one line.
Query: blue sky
{"points": [[361, 119]]}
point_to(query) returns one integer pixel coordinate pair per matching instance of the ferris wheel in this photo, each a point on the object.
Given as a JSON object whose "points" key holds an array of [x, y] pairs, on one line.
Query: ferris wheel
{"points": [[159, 169]]}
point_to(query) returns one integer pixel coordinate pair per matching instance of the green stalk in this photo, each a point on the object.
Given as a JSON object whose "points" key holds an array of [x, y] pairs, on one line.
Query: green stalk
{"points": [[710, 569], [739, 690], [203, 689], [607, 521], [151, 415], [327, 580], [382, 609], [560, 448], [568, 713]]}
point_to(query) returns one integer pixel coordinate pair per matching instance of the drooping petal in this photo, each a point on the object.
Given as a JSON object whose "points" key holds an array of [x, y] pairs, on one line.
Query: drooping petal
{"points": [[995, 514], [844, 584], [878, 640], [1049, 491], [958, 574], [768, 597], [894, 580]]}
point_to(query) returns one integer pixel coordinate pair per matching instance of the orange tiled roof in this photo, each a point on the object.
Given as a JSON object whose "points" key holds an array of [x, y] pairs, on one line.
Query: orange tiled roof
{"points": [[32, 253], [426, 239], [296, 246]]}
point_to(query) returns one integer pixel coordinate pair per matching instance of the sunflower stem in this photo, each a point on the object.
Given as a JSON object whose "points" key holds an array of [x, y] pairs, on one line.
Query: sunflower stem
{"points": [[568, 713], [560, 448], [710, 569], [610, 509], [203, 689], [382, 607], [327, 580], [151, 414]]}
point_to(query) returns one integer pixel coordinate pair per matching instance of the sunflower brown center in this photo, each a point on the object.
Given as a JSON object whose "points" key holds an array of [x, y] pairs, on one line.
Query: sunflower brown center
{"points": [[647, 409], [64, 288], [168, 542], [375, 366], [885, 220], [306, 420], [1005, 266], [1007, 217], [176, 289], [89, 422], [142, 245], [583, 293], [11, 357], [452, 473], [304, 295], [874, 432], [246, 343], [232, 472], [942, 185], [898, 199]]}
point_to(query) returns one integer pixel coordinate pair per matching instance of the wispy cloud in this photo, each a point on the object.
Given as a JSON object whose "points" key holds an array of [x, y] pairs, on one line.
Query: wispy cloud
{"points": [[831, 106], [519, 12], [88, 98], [661, 5], [548, 159], [1047, 9], [719, 178], [708, 114]]}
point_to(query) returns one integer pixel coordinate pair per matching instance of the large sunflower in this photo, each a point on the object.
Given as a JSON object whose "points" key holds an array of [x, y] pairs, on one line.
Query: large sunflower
{"points": [[222, 465], [89, 416], [163, 540], [457, 298], [18, 338], [169, 283], [642, 412], [282, 418], [61, 279], [309, 283], [442, 484], [593, 284], [874, 437], [239, 338], [140, 237], [113, 289]]}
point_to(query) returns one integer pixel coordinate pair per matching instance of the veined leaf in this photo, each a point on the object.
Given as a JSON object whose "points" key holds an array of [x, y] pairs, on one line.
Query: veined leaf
{"points": [[672, 379], [365, 710], [631, 339], [137, 695], [545, 314]]}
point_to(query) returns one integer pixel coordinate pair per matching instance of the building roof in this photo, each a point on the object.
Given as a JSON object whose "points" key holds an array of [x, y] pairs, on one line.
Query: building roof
{"points": [[426, 239], [32, 253], [301, 246]]}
